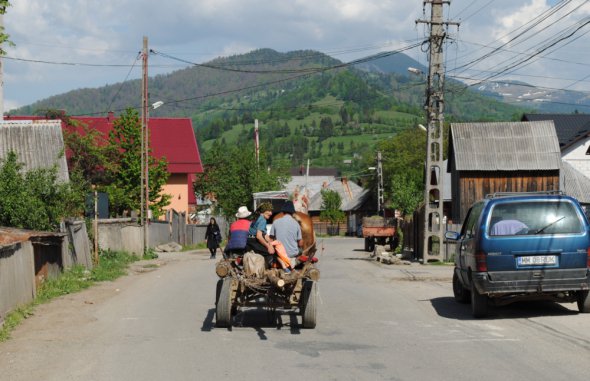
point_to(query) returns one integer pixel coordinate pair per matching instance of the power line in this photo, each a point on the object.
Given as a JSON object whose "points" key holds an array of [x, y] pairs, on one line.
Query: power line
{"points": [[310, 70], [567, 34], [527, 27], [63, 63], [125, 80], [300, 74]]}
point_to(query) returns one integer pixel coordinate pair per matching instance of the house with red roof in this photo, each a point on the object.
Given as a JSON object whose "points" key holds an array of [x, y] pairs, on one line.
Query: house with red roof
{"points": [[172, 138]]}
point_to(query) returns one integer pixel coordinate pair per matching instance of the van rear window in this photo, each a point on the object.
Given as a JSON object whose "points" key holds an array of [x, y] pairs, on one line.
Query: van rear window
{"points": [[534, 217]]}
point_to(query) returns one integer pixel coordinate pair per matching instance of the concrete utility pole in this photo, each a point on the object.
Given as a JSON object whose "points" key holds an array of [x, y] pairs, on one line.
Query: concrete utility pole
{"points": [[433, 195], [145, 190]]}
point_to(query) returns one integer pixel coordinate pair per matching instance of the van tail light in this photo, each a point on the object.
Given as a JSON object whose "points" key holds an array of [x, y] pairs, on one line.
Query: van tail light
{"points": [[481, 263], [588, 257]]}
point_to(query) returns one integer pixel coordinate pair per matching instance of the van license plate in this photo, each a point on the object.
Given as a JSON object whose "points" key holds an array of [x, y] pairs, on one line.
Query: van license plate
{"points": [[534, 260]]}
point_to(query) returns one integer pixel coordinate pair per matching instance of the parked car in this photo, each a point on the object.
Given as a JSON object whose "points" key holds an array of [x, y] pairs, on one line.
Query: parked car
{"points": [[522, 246]]}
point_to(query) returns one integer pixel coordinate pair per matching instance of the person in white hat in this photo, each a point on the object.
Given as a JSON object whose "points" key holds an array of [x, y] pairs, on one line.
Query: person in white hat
{"points": [[238, 232]]}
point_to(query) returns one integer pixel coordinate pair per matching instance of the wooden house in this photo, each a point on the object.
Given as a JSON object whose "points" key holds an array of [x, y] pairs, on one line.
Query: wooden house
{"points": [[485, 158], [170, 138]]}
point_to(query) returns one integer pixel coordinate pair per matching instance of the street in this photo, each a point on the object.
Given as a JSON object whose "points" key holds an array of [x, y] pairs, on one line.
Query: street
{"points": [[375, 322]]}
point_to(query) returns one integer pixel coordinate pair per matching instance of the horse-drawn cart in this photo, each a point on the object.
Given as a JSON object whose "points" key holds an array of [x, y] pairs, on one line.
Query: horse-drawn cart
{"points": [[271, 288]]}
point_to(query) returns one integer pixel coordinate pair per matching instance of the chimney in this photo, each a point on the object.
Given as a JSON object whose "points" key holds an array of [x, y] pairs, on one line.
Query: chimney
{"points": [[111, 116]]}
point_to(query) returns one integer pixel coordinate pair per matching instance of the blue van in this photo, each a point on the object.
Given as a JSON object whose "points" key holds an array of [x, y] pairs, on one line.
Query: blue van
{"points": [[516, 246]]}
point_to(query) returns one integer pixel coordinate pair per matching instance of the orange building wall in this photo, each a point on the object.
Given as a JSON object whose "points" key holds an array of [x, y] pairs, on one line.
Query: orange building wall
{"points": [[178, 189]]}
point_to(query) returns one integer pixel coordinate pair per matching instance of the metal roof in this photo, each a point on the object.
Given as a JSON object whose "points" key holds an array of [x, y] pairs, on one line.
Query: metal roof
{"points": [[573, 183], [504, 146], [37, 144], [569, 127], [11, 236], [350, 193]]}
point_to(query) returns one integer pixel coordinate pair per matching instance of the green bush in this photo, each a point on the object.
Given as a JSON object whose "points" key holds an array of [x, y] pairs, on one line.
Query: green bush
{"points": [[35, 199], [331, 212]]}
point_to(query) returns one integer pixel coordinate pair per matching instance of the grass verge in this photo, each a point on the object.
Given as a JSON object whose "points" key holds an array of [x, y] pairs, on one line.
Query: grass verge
{"points": [[112, 265]]}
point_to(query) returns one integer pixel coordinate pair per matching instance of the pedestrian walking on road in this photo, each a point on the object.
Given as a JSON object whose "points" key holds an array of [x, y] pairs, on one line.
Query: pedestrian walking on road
{"points": [[213, 237]]}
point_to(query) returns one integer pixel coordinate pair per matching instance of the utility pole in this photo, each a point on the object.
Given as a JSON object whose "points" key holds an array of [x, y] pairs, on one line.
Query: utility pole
{"points": [[380, 199], [256, 142], [145, 190], [433, 196], [2, 68]]}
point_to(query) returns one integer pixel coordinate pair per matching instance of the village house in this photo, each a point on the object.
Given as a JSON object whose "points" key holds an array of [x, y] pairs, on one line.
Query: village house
{"points": [[172, 138], [573, 133], [485, 158]]}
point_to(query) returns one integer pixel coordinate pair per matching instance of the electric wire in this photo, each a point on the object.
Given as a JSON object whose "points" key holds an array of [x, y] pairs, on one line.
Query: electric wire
{"points": [[527, 27], [125, 80]]}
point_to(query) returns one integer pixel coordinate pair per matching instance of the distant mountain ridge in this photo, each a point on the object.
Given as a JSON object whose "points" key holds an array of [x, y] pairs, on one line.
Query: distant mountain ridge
{"points": [[310, 105], [544, 100]]}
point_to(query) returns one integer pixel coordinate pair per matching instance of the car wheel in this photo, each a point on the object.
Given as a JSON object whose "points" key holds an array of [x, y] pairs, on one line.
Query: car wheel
{"points": [[479, 303], [583, 302], [459, 291]]}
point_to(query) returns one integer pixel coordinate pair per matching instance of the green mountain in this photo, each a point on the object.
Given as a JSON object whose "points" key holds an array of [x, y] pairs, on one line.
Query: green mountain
{"points": [[309, 105]]}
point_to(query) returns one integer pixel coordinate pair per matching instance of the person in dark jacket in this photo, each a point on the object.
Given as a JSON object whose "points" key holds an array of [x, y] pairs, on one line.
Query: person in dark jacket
{"points": [[213, 237]]}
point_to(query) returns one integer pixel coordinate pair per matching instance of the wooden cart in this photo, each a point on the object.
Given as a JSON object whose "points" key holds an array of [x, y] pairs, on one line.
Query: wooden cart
{"points": [[274, 289]]}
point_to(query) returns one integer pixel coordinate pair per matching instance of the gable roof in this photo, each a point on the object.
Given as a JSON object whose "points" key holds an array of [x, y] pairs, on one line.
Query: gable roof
{"points": [[37, 144], [504, 146], [569, 127], [350, 193]]}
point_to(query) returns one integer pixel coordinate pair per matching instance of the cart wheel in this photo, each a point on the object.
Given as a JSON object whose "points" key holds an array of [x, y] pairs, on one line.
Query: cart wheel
{"points": [[223, 306], [309, 305], [218, 290]]}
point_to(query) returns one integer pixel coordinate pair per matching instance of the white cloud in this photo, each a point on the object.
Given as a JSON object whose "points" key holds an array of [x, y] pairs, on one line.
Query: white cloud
{"points": [[110, 32]]}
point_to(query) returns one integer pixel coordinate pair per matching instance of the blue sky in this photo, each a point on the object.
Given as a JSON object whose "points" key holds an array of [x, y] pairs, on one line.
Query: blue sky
{"points": [[57, 42]]}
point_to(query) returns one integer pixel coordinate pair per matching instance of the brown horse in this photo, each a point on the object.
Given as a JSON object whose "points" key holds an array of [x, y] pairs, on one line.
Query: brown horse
{"points": [[307, 233]]}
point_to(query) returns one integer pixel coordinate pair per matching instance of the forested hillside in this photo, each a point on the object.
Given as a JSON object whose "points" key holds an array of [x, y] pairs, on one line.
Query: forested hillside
{"points": [[309, 105]]}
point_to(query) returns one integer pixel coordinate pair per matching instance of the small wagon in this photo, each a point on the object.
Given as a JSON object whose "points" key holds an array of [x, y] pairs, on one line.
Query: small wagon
{"points": [[274, 288]]}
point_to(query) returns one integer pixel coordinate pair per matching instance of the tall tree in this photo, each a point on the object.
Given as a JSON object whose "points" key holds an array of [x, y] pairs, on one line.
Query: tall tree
{"points": [[90, 154], [403, 169], [124, 190], [231, 175]]}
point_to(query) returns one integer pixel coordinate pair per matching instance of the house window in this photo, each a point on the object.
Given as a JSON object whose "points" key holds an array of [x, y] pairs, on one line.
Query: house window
{"points": [[588, 151]]}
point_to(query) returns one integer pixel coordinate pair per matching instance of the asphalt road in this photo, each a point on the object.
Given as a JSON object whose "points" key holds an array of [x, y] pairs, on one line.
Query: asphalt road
{"points": [[375, 322]]}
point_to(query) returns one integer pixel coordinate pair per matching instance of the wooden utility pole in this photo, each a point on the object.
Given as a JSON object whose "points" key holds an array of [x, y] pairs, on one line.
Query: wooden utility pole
{"points": [[256, 142], [2, 69], [380, 199], [95, 226], [145, 190], [433, 194]]}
